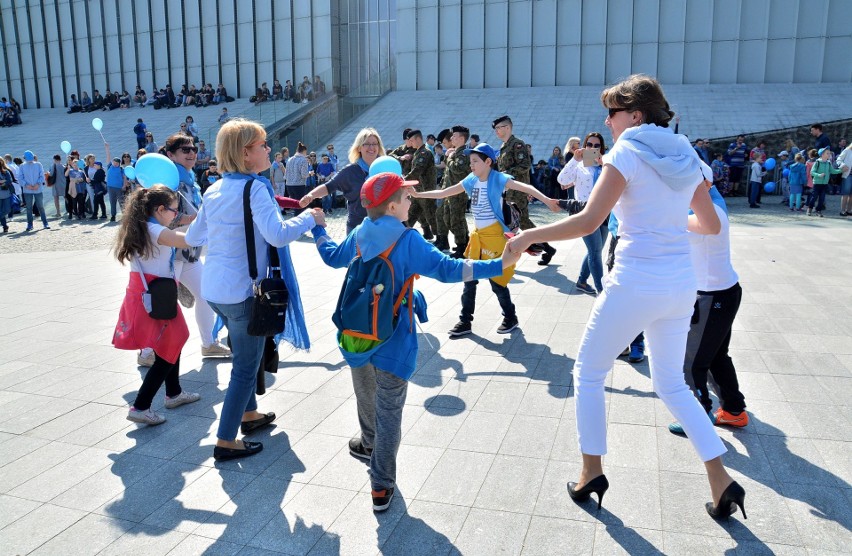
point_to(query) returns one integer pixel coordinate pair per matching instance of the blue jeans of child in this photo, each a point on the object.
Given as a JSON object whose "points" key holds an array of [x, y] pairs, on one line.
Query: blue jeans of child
{"points": [[593, 261], [753, 192], [246, 352], [35, 199], [327, 203], [380, 397]]}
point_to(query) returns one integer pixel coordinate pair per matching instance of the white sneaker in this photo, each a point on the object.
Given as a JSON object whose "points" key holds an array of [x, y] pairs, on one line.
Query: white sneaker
{"points": [[144, 360], [215, 350], [182, 398], [146, 417]]}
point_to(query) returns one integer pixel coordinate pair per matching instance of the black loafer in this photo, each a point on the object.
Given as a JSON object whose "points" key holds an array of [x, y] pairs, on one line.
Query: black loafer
{"points": [[224, 454], [248, 427]]}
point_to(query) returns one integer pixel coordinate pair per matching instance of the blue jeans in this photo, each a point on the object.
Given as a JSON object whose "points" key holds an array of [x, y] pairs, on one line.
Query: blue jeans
{"points": [[246, 352], [5, 209], [327, 203], [593, 261], [35, 199], [753, 192], [380, 397]]}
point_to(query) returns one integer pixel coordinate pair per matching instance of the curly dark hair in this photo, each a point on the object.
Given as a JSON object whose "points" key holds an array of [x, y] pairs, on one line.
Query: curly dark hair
{"points": [[133, 239]]}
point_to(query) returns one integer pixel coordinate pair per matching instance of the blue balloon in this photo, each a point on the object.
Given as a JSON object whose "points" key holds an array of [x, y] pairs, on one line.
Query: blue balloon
{"points": [[98, 124], [65, 146], [786, 172], [769, 164], [385, 164], [769, 187], [154, 168], [130, 172], [81, 165]]}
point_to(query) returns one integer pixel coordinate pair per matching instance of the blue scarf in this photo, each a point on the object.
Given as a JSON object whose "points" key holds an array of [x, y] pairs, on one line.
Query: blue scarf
{"points": [[364, 166], [295, 330], [188, 185]]}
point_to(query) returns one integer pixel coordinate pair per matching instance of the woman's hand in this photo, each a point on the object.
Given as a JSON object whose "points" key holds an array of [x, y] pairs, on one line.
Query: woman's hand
{"points": [[510, 257], [553, 204], [306, 200], [517, 244], [319, 216], [578, 154]]}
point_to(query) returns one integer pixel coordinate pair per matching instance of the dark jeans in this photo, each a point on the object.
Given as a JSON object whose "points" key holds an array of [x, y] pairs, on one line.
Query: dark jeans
{"points": [[99, 202], [710, 331], [297, 192], [818, 197], [753, 192], [80, 205], [469, 300], [161, 371]]}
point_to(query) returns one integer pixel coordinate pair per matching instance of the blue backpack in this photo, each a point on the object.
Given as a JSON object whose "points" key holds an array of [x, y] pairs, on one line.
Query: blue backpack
{"points": [[366, 309]]}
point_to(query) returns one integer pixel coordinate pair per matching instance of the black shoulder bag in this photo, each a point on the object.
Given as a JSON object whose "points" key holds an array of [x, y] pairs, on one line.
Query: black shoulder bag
{"points": [[269, 303], [160, 297]]}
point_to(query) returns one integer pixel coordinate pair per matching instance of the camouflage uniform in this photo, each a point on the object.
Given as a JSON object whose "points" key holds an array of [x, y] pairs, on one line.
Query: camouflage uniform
{"points": [[401, 151], [458, 168], [514, 159], [423, 170]]}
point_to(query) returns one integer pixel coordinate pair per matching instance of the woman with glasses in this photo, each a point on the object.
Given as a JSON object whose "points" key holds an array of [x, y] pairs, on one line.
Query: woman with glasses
{"points": [[242, 154], [651, 179], [188, 266], [582, 178], [366, 148]]}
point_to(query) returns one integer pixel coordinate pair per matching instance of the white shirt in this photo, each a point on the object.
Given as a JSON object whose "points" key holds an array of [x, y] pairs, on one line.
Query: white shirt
{"points": [[652, 218], [581, 176], [159, 263], [711, 257], [483, 216], [221, 226], [756, 172]]}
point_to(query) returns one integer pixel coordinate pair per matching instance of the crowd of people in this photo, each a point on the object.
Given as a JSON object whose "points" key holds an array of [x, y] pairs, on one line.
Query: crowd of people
{"points": [[10, 112], [159, 98], [304, 92], [684, 232]]}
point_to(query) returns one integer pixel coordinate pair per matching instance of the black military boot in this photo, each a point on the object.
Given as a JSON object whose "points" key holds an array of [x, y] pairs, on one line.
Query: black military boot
{"points": [[459, 251], [427, 232], [547, 255], [442, 243]]}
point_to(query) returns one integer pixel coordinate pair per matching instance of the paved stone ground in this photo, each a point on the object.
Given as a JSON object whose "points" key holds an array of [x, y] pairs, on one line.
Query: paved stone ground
{"points": [[489, 434]]}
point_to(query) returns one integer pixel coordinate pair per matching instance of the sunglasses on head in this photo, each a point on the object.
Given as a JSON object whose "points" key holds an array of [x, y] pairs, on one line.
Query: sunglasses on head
{"points": [[186, 150]]}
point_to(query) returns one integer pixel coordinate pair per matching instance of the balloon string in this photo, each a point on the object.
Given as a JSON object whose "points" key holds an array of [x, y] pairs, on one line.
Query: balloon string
{"points": [[102, 137]]}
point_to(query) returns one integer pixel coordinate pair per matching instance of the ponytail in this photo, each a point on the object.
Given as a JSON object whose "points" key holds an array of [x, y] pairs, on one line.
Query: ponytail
{"points": [[133, 239], [301, 148]]}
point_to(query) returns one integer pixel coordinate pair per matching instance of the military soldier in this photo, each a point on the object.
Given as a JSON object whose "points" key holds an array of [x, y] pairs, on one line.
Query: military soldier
{"points": [[458, 167], [404, 152], [422, 170], [514, 159], [441, 212]]}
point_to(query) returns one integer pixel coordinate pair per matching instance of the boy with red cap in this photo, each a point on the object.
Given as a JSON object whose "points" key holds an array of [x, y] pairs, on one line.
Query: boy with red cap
{"points": [[380, 370]]}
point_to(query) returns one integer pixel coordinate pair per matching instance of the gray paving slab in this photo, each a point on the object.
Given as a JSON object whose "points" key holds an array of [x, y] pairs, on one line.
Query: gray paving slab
{"points": [[489, 433]]}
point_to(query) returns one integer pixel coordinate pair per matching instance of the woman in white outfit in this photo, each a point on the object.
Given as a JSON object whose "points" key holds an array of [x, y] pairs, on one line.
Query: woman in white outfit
{"points": [[650, 180]]}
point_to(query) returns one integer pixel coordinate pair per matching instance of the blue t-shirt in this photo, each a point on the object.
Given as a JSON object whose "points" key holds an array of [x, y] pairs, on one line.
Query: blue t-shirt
{"points": [[115, 177]]}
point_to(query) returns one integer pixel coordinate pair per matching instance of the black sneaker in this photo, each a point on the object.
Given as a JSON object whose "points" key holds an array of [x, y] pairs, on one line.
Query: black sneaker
{"points": [[381, 499], [460, 329], [358, 450], [507, 325]]}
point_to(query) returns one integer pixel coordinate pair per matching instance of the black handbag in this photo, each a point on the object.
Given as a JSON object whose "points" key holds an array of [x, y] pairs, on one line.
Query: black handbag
{"points": [[270, 297], [160, 297]]}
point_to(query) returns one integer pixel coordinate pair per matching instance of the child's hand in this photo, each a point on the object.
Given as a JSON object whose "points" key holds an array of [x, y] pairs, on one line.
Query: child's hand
{"points": [[553, 204], [412, 192], [319, 216], [509, 257], [517, 245]]}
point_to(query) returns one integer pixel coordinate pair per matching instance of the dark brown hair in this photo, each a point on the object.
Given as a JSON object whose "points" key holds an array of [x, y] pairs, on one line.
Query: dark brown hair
{"points": [[598, 136], [641, 93], [300, 148], [176, 141], [133, 239]]}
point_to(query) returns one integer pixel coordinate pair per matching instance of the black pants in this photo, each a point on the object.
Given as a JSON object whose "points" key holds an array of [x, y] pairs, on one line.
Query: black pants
{"points": [[161, 371], [707, 349], [98, 201], [297, 192], [80, 204], [69, 203], [469, 300]]}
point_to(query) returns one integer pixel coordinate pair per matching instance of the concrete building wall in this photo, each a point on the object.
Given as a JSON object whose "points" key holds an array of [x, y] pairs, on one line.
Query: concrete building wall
{"points": [[451, 44], [53, 48]]}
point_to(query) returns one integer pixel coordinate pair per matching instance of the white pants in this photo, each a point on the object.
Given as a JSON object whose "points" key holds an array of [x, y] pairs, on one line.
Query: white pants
{"points": [[280, 189], [189, 274], [617, 317]]}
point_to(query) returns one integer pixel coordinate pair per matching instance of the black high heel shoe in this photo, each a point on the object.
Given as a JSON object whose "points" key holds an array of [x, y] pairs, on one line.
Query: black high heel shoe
{"points": [[733, 496], [598, 485]]}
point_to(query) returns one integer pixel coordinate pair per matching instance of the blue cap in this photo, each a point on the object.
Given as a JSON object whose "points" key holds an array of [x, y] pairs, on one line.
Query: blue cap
{"points": [[483, 148], [822, 150], [29, 156], [99, 163]]}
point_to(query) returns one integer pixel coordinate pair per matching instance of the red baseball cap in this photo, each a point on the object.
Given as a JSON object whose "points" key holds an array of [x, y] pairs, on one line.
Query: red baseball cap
{"points": [[380, 187]]}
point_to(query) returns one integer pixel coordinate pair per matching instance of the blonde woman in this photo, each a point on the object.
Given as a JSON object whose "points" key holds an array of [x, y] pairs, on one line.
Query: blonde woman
{"points": [[366, 148], [243, 153]]}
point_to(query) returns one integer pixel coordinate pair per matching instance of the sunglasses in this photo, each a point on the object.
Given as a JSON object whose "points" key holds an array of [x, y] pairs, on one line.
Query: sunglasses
{"points": [[187, 150], [614, 111], [593, 145]]}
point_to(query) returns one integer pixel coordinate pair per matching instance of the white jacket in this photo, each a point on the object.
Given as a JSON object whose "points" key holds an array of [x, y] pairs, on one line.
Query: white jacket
{"points": [[581, 176], [844, 161]]}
